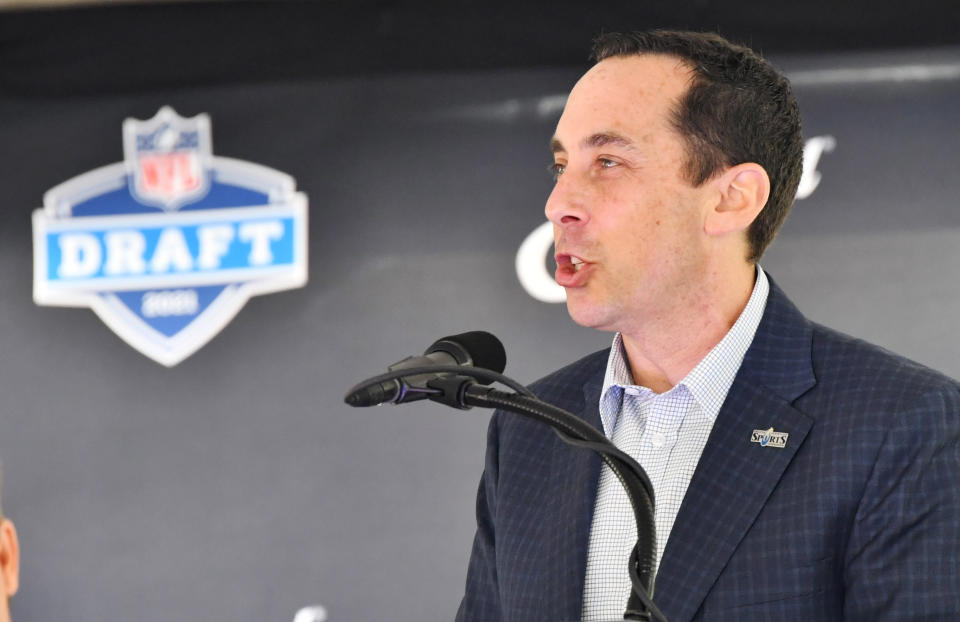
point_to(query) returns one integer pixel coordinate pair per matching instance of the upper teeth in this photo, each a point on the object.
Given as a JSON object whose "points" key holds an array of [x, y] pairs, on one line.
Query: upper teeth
{"points": [[575, 260]]}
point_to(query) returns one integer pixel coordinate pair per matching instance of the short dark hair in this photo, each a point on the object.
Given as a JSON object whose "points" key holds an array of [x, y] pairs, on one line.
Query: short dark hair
{"points": [[738, 109]]}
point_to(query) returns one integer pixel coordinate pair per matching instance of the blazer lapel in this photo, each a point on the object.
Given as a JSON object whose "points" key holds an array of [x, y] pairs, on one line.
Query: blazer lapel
{"points": [[735, 477], [574, 477]]}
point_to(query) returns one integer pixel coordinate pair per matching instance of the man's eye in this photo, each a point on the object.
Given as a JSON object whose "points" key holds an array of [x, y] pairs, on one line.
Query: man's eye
{"points": [[556, 169], [605, 163]]}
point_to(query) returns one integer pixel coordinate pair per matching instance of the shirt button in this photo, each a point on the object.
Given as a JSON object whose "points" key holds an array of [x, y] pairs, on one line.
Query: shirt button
{"points": [[658, 440]]}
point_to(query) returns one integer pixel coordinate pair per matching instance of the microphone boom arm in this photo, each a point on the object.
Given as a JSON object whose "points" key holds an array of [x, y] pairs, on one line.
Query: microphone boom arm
{"points": [[577, 432], [457, 386]]}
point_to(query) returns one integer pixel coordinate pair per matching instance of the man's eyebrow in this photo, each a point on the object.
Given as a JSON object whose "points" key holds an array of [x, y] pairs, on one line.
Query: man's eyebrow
{"points": [[607, 138], [593, 141]]}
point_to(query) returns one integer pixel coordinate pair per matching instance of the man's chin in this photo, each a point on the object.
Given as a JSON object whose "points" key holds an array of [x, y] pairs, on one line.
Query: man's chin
{"points": [[589, 315]]}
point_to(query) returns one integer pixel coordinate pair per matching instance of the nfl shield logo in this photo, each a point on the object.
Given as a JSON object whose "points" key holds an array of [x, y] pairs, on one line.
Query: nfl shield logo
{"points": [[168, 158], [167, 246]]}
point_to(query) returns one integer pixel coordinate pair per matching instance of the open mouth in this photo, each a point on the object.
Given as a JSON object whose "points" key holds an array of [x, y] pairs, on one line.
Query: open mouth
{"points": [[571, 270], [569, 262]]}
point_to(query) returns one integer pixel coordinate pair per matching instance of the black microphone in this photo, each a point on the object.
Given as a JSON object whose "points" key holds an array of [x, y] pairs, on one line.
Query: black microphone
{"points": [[475, 349]]}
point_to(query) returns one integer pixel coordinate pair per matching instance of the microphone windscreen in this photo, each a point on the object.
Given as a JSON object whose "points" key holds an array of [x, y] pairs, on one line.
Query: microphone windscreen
{"points": [[484, 349]]}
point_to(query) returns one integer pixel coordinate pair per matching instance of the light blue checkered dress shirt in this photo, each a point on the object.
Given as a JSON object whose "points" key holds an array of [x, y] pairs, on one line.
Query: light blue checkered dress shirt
{"points": [[666, 434]]}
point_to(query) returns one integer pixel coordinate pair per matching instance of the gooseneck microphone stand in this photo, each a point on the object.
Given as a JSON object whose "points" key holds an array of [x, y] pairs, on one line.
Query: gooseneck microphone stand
{"points": [[458, 386]]}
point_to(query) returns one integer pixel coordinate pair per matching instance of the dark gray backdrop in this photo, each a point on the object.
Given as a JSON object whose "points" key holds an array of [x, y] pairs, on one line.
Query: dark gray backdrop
{"points": [[237, 486]]}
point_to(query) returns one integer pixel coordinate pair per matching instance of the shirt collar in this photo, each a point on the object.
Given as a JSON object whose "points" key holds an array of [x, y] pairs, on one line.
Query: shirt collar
{"points": [[708, 382]]}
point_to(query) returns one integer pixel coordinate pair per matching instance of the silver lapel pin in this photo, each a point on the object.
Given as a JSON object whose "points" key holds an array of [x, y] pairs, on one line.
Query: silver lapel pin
{"points": [[769, 438]]}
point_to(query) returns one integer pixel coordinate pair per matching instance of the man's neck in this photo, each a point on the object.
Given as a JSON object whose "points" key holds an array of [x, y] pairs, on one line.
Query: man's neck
{"points": [[664, 349]]}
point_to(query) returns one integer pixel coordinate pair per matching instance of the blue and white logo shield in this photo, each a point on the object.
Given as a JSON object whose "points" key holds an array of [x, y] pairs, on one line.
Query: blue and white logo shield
{"points": [[167, 246]]}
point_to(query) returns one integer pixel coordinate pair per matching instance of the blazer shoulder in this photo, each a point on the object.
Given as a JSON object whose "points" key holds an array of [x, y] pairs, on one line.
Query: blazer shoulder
{"points": [[573, 388], [842, 360], [572, 377]]}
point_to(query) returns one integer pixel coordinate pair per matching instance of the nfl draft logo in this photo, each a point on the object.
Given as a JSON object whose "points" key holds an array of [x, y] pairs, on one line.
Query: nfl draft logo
{"points": [[168, 245]]}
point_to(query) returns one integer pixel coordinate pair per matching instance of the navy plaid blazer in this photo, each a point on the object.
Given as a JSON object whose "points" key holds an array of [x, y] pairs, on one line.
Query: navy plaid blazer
{"points": [[857, 518]]}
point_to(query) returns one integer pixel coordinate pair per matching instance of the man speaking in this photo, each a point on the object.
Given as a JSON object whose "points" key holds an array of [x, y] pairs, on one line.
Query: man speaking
{"points": [[799, 474]]}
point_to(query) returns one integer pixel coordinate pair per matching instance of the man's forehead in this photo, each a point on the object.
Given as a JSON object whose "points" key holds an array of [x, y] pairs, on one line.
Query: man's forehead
{"points": [[643, 66], [620, 99], [636, 77]]}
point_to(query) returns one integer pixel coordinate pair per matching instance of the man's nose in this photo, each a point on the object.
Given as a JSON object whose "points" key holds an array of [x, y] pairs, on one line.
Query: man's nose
{"points": [[566, 204]]}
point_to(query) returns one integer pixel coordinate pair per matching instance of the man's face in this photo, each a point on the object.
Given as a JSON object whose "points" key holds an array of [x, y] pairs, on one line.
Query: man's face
{"points": [[621, 204]]}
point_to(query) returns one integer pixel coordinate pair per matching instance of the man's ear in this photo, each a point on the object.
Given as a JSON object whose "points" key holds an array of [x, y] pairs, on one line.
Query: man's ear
{"points": [[9, 558], [743, 191]]}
